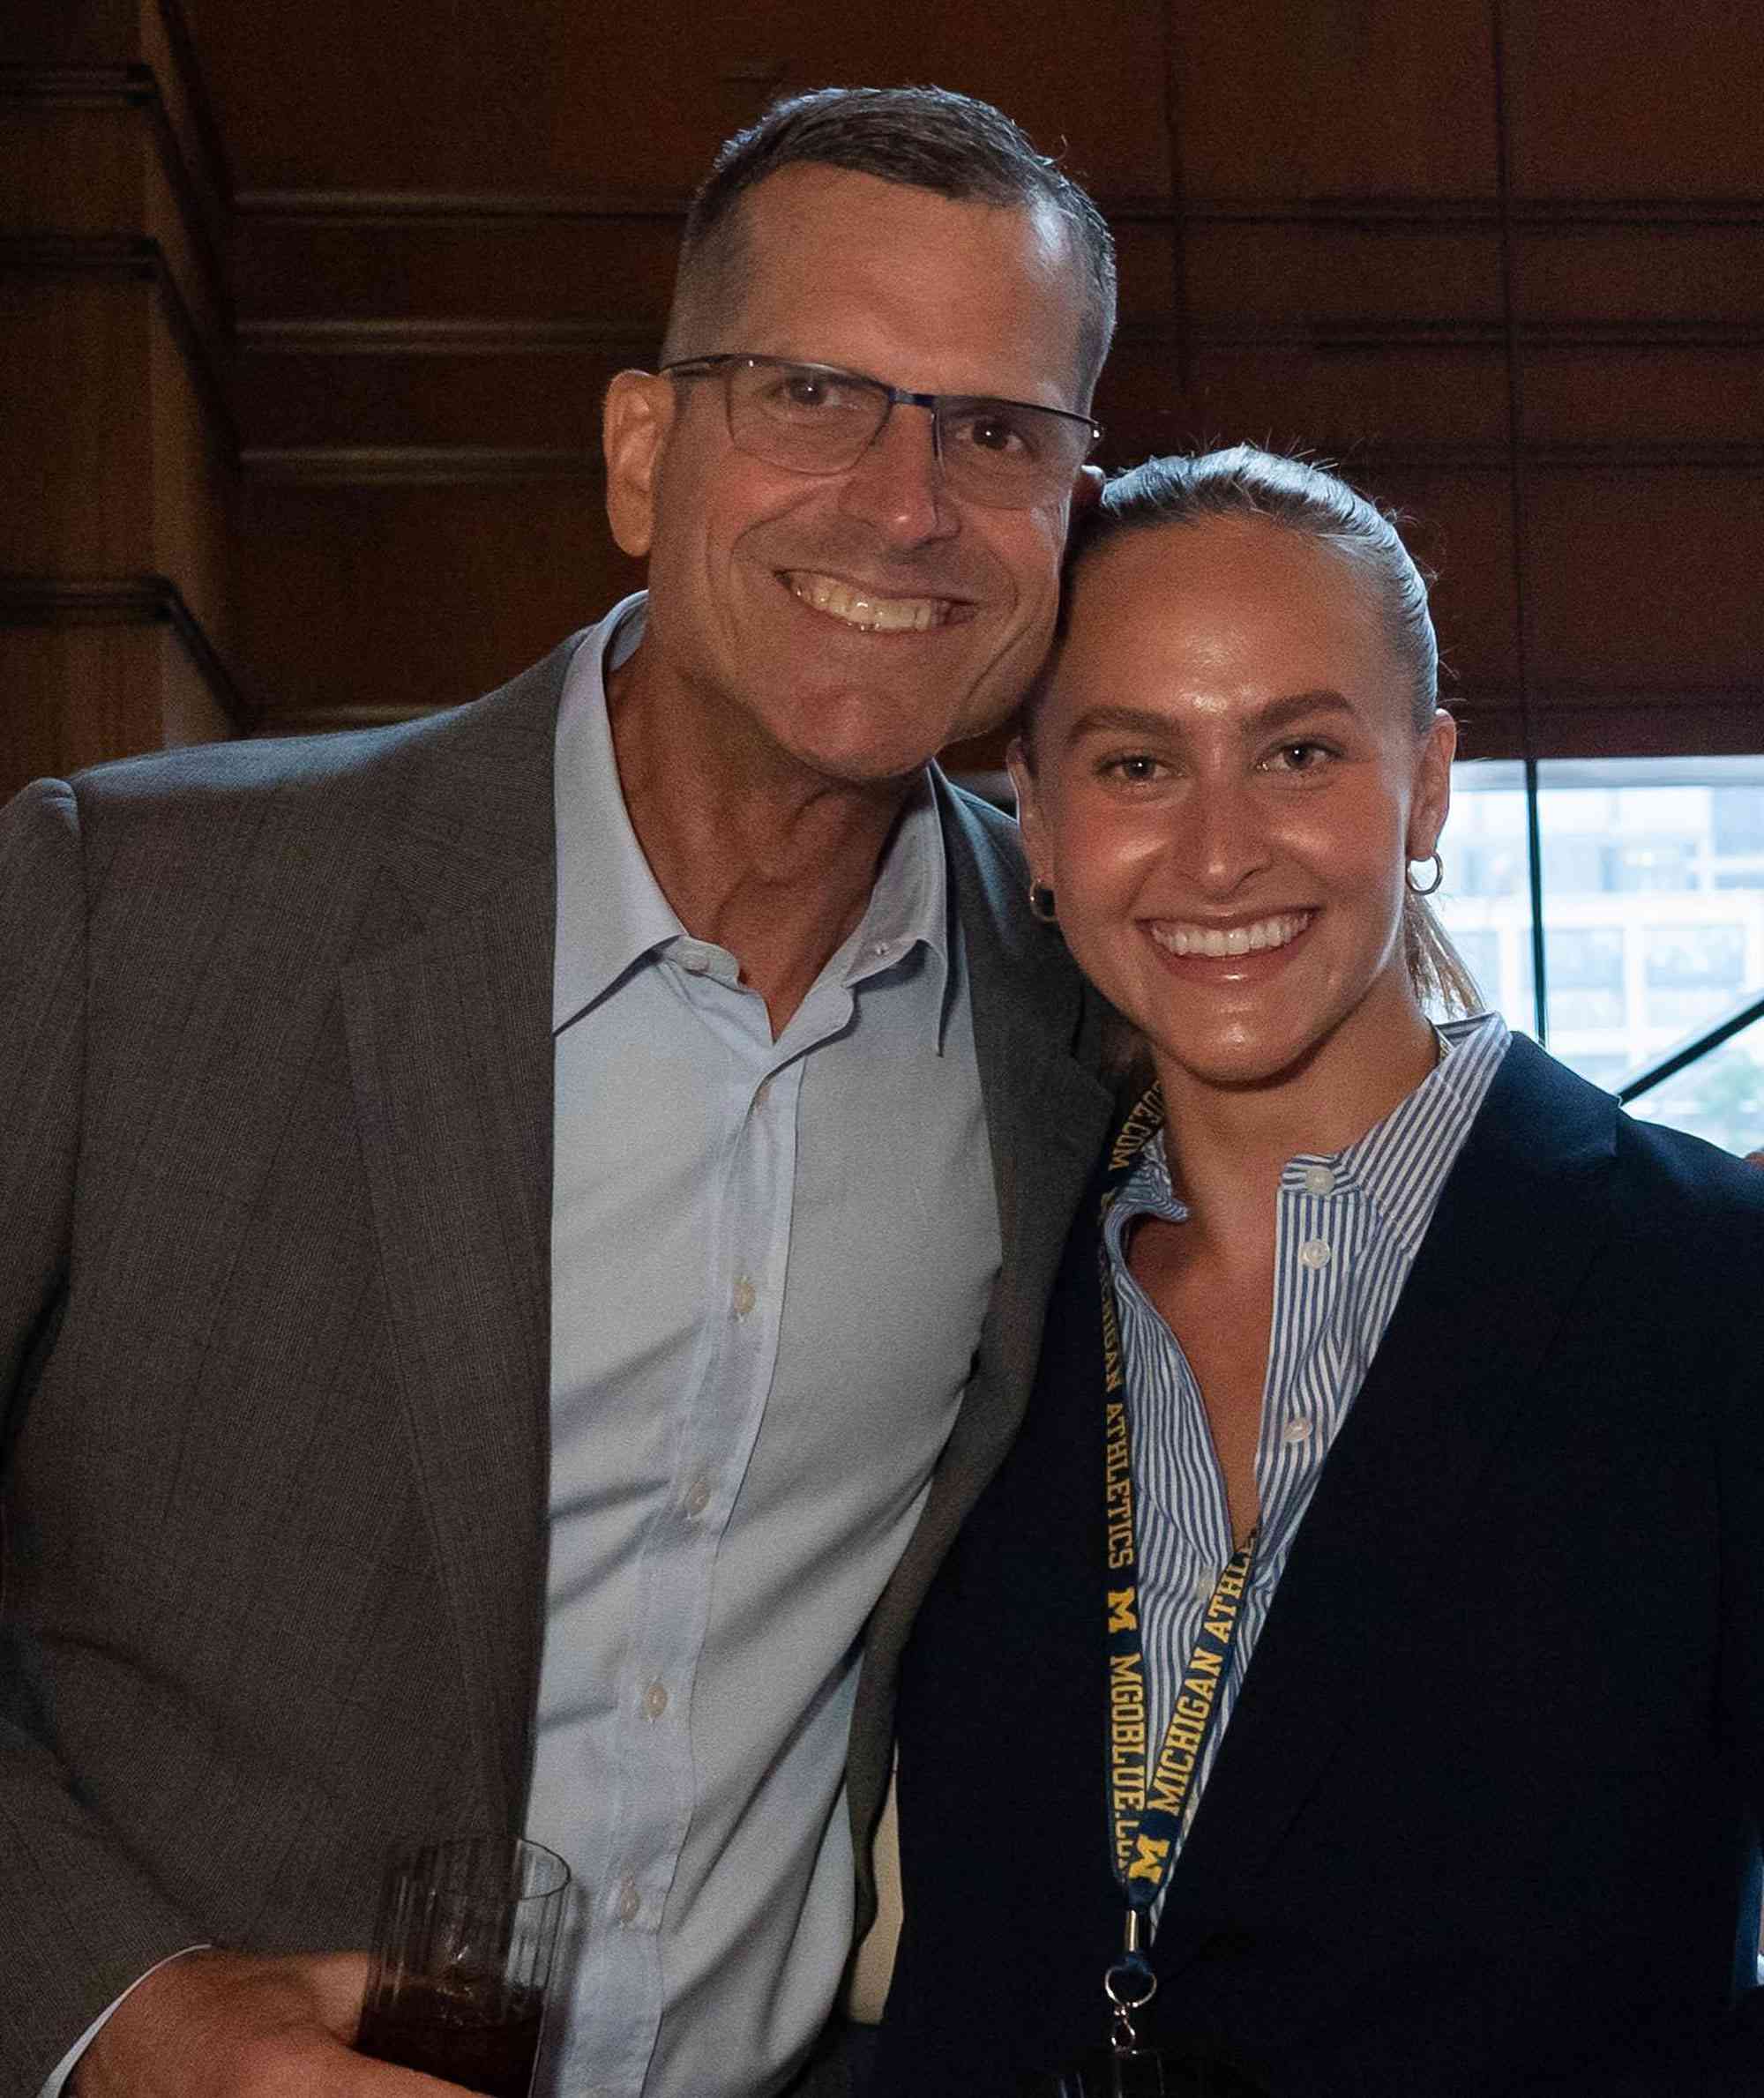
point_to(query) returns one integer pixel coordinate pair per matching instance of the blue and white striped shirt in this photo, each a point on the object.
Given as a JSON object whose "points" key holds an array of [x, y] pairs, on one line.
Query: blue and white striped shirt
{"points": [[1348, 1228]]}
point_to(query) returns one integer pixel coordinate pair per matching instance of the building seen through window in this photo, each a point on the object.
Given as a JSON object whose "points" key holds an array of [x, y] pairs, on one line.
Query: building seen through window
{"points": [[1653, 886]]}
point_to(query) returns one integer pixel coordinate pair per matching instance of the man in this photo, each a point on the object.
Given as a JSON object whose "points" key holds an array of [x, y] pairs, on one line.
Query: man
{"points": [[321, 1057]]}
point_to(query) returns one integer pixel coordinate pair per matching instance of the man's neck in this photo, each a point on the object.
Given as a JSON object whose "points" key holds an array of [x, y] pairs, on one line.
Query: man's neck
{"points": [[764, 858]]}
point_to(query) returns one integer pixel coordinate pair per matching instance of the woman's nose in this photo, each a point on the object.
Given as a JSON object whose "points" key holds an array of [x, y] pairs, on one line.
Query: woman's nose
{"points": [[1223, 838]]}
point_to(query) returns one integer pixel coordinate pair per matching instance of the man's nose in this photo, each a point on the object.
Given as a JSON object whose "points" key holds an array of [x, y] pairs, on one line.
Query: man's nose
{"points": [[897, 486]]}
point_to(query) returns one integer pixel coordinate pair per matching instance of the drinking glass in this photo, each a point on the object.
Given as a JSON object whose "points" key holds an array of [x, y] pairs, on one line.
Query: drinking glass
{"points": [[461, 1961]]}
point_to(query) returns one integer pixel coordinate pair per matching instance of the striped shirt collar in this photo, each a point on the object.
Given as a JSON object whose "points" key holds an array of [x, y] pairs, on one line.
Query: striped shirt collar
{"points": [[1399, 1164]]}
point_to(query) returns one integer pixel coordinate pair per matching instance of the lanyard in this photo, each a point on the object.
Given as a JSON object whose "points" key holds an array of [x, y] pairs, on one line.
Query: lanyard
{"points": [[1147, 1797]]}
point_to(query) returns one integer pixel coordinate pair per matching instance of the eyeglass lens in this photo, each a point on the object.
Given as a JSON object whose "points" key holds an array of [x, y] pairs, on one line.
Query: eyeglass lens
{"points": [[813, 420]]}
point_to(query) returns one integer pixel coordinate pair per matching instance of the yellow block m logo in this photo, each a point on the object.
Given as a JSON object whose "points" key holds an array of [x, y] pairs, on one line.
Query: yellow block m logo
{"points": [[1149, 1861], [1121, 1617]]}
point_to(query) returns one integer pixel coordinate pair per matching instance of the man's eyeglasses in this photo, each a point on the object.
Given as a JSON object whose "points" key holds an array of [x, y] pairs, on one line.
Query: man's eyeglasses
{"points": [[816, 419]]}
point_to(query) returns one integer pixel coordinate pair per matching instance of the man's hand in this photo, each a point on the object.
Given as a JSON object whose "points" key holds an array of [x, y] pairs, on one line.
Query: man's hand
{"points": [[230, 2024]]}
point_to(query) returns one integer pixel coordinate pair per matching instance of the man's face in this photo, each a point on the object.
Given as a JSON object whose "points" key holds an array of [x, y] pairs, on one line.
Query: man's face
{"points": [[756, 640]]}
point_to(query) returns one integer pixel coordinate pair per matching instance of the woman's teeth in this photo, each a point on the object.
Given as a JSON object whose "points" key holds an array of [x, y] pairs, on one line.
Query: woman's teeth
{"points": [[1236, 939]]}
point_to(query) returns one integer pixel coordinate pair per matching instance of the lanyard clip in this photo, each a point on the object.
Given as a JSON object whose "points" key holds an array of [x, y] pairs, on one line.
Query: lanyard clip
{"points": [[1130, 1984]]}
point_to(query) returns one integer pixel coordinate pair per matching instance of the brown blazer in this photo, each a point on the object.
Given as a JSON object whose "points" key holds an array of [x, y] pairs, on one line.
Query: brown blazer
{"points": [[275, 1120]]}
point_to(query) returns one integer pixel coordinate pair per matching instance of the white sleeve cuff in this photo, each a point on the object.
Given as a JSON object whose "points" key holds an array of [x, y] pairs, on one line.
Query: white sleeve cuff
{"points": [[69, 2061]]}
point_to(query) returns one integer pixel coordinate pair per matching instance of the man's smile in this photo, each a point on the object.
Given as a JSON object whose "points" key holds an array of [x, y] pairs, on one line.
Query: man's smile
{"points": [[870, 611]]}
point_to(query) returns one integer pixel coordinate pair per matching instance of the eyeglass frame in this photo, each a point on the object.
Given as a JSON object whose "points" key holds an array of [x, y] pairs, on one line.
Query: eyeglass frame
{"points": [[722, 363]]}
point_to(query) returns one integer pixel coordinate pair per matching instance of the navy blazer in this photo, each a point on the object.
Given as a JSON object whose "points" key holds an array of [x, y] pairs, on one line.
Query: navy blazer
{"points": [[1485, 1817]]}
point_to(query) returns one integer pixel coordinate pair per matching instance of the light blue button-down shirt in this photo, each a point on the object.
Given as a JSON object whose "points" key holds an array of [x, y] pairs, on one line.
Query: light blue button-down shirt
{"points": [[770, 1261], [1348, 1228]]}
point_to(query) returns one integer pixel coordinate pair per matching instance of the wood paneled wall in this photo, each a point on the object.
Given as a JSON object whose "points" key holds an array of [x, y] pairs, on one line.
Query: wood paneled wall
{"points": [[1506, 260], [115, 424]]}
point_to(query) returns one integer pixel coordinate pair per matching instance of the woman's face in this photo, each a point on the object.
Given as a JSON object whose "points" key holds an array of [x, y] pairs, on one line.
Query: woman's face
{"points": [[1227, 787]]}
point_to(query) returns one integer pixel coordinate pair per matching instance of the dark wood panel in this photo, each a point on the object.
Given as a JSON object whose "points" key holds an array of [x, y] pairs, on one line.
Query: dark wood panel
{"points": [[1458, 522], [1654, 399], [1273, 274], [74, 31], [413, 596], [1646, 578], [118, 460], [81, 694], [1678, 276], [1428, 402], [442, 259], [532, 400], [1616, 722], [91, 159], [1353, 400], [77, 493], [598, 96], [71, 168], [1632, 101], [1285, 98], [193, 467]]}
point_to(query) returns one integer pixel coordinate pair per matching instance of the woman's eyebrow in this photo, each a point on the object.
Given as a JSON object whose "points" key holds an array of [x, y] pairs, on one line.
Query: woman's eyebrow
{"points": [[1117, 719], [1297, 706], [1113, 718]]}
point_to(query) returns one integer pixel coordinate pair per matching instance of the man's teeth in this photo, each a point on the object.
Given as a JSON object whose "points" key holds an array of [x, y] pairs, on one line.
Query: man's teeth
{"points": [[1236, 939], [874, 615]]}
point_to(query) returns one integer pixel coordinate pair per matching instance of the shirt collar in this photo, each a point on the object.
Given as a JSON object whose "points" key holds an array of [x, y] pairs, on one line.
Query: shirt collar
{"points": [[611, 912], [1398, 1165], [908, 909]]}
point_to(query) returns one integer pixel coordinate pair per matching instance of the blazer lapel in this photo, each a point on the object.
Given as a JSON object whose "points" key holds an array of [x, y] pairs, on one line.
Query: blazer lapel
{"points": [[1520, 1219], [450, 1043], [1036, 1039]]}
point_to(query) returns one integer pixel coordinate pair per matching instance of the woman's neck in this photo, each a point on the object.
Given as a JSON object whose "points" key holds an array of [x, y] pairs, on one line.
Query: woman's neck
{"points": [[1228, 1145]]}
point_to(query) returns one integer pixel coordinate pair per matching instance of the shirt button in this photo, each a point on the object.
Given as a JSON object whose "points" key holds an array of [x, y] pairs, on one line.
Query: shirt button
{"points": [[655, 1700], [744, 1296], [1204, 1586], [1316, 1252], [1296, 1431], [762, 1093], [698, 1497], [694, 961], [1318, 1180], [629, 1901]]}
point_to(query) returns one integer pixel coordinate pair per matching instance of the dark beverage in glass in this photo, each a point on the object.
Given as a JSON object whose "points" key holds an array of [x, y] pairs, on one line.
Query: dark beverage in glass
{"points": [[461, 1959], [457, 2034]]}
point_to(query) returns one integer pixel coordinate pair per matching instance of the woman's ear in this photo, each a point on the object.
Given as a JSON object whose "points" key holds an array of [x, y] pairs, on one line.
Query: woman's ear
{"points": [[1432, 787], [1028, 812]]}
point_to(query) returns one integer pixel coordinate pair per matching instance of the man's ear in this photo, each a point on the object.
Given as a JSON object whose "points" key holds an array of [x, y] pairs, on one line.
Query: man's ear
{"points": [[635, 420], [1086, 489]]}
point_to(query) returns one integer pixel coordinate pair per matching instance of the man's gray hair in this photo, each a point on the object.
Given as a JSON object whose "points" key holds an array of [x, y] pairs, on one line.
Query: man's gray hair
{"points": [[921, 138]]}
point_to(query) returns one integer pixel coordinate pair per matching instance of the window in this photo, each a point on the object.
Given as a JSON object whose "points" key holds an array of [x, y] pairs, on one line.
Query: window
{"points": [[1719, 1097], [1694, 974], [1583, 969], [1652, 880]]}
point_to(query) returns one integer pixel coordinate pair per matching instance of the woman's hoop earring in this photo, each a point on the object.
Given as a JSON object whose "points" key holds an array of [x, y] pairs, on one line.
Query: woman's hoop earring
{"points": [[1041, 904], [1414, 887]]}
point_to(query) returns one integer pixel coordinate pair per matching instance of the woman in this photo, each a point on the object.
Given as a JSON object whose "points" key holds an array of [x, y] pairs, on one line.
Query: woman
{"points": [[1372, 1606]]}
